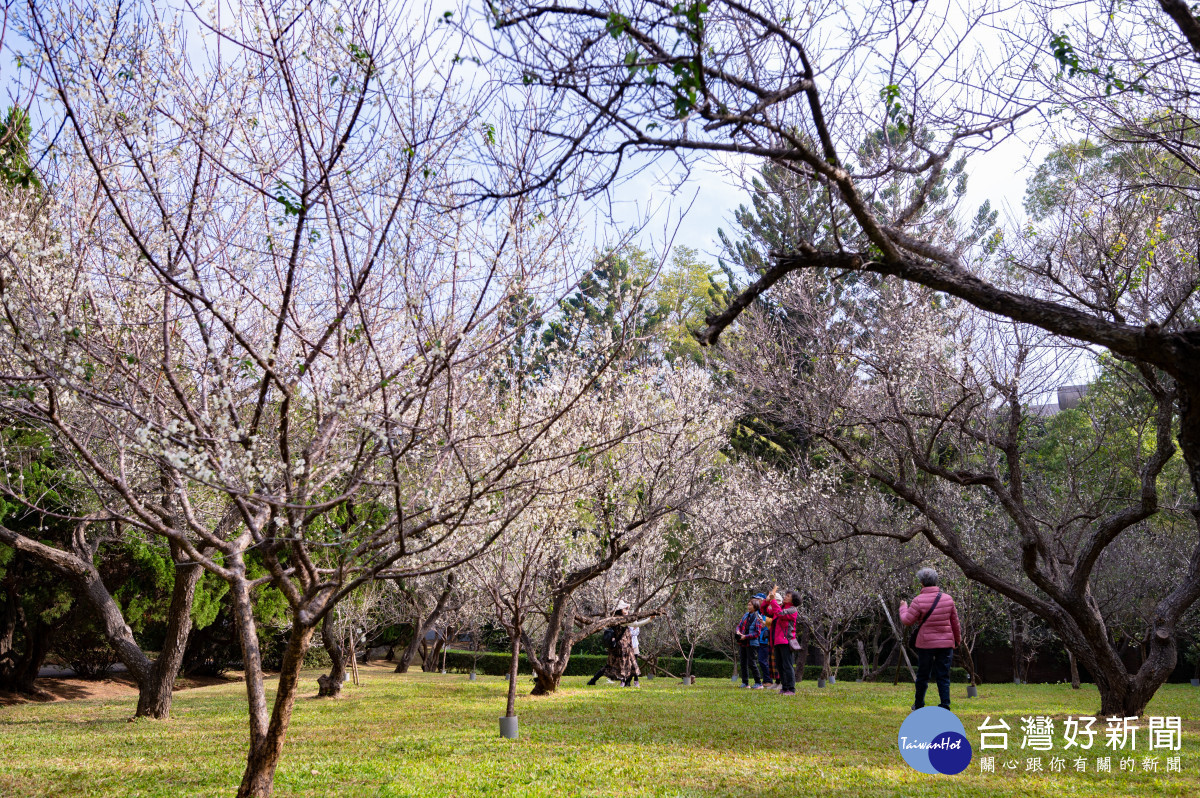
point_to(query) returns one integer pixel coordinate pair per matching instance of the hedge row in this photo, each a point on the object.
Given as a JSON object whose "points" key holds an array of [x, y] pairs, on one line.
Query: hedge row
{"points": [[493, 664], [850, 673]]}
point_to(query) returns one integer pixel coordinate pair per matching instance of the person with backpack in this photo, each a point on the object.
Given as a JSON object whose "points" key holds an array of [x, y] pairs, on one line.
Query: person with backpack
{"points": [[936, 636], [747, 632], [783, 636], [618, 642]]}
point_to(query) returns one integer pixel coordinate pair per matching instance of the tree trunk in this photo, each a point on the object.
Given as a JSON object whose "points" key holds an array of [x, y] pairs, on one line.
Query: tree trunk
{"points": [[511, 708], [549, 659], [330, 686], [1017, 650], [1123, 693], [546, 680], [825, 664], [970, 663], [421, 629], [155, 690], [802, 654], [893, 658], [450, 633], [23, 676], [410, 650], [247, 632], [8, 626], [429, 658], [1074, 670], [875, 648], [19, 668], [1031, 655], [259, 776]]}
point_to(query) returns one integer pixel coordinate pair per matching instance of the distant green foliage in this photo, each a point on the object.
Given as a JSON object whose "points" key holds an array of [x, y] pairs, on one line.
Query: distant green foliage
{"points": [[688, 290], [15, 169], [38, 599], [611, 304], [620, 300]]}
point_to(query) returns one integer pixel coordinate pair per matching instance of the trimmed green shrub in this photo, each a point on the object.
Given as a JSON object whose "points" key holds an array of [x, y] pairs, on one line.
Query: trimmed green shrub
{"points": [[850, 673], [318, 657], [494, 664]]}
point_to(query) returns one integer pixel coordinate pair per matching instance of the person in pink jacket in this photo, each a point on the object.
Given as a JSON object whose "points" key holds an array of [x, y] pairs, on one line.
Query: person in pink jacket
{"points": [[939, 635], [783, 630]]}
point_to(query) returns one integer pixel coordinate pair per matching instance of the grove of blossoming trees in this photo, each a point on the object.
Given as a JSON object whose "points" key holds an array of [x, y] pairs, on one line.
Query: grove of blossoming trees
{"points": [[251, 312]]}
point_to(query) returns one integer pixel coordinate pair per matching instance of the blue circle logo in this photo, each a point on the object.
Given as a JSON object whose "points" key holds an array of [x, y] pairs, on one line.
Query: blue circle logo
{"points": [[933, 740]]}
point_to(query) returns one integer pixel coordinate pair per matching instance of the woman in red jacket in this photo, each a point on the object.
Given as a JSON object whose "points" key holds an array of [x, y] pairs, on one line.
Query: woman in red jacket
{"points": [[939, 635]]}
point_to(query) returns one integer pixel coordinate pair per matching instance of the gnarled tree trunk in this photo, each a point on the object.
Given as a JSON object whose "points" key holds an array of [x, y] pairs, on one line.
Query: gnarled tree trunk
{"points": [[330, 686], [549, 660], [420, 629]]}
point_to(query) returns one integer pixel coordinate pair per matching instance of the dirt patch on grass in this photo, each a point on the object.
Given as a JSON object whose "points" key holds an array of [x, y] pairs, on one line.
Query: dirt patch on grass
{"points": [[118, 685]]}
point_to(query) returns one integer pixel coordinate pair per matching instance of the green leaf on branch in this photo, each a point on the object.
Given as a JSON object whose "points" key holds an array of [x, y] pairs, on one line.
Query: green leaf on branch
{"points": [[617, 25], [1072, 66]]}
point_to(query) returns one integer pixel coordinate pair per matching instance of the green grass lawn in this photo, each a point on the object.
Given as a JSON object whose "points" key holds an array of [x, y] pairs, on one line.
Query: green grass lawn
{"points": [[426, 734]]}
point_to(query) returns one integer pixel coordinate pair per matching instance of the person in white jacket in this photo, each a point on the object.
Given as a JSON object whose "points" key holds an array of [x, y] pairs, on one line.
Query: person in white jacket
{"points": [[634, 629]]}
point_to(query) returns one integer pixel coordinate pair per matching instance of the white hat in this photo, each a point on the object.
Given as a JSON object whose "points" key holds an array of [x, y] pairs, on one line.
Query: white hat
{"points": [[622, 605]]}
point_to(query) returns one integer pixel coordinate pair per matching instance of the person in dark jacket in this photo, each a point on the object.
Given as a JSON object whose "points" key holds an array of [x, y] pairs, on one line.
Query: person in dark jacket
{"points": [[748, 630], [783, 631], [940, 634]]}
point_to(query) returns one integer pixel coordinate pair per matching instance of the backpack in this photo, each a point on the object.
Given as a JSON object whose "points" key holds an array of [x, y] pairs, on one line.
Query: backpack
{"points": [[609, 638]]}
